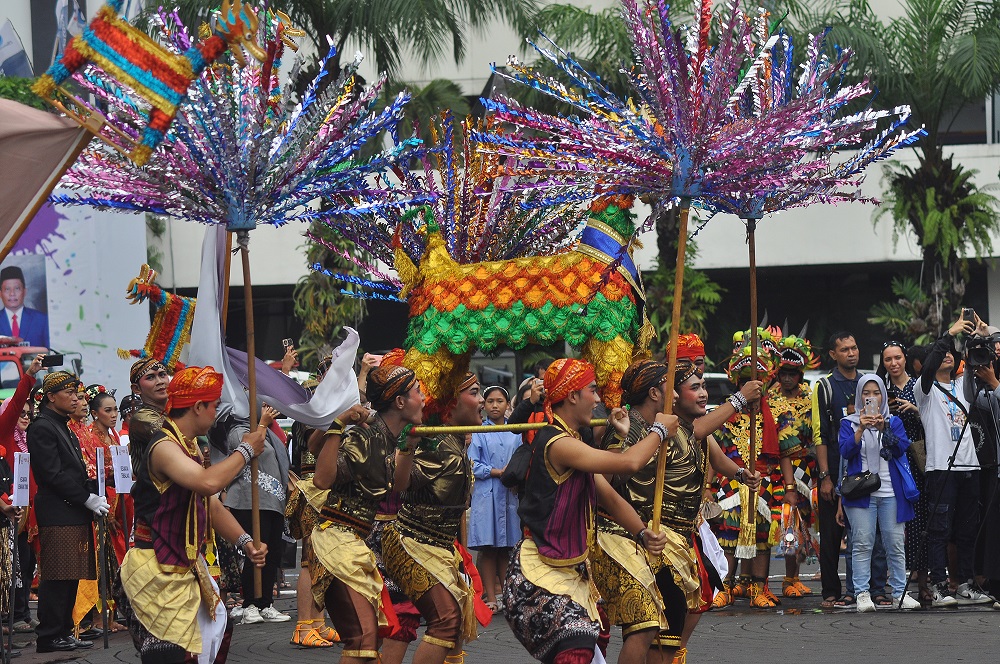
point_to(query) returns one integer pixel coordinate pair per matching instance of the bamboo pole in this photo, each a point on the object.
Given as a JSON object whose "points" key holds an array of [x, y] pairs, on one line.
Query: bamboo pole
{"points": [[675, 327], [102, 575], [488, 428], [754, 412], [243, 240]]}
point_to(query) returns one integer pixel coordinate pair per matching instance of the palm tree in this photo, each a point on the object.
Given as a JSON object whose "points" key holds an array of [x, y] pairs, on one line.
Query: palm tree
{"points": [[428, 30], [938, 56]]}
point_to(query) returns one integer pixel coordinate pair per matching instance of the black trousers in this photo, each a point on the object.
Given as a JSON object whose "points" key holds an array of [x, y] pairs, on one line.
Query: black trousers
{"points": [[271, 525], [956, 519], [55, 609], [830, 535], [26, 559]]}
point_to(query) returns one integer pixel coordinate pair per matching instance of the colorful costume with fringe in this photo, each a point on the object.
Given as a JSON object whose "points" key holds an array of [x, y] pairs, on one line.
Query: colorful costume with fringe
{"points": [[418, 548], [734, 439], [795, 414], [177, 615]]}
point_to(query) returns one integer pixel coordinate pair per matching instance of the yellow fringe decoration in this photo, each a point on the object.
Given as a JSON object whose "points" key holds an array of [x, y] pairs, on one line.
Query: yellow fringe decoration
{"points": [[746, 543]]}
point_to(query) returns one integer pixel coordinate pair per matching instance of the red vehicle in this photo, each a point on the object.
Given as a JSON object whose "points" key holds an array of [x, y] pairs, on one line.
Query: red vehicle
{"points": [[15, 360]]}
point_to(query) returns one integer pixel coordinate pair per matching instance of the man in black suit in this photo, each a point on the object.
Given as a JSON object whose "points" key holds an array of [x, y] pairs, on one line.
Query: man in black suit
{"points": [[65, 506]]}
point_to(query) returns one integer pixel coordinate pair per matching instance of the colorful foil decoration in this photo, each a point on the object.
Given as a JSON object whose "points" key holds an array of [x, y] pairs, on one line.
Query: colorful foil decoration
{"points": [[728, 128], [239, 152], [171, 328]]}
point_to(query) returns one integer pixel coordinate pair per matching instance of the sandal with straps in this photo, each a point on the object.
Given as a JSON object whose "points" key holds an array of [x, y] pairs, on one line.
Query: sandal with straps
{"points": [[789, 589], [306, 636], [328, 633]]}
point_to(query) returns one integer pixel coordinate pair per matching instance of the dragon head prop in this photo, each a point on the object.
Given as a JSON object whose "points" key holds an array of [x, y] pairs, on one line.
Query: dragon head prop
{"points": [[797, 353]]}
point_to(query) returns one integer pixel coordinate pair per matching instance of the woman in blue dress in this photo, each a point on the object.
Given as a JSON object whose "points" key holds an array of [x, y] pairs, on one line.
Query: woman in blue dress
{"points": [[494, 528]]}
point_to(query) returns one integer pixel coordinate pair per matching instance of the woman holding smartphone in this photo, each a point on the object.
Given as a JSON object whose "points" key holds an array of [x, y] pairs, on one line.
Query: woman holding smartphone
{"points": [[899, 387], [871, 439]]}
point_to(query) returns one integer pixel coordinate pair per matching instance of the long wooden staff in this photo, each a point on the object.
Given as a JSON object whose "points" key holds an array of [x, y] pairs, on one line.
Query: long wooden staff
{"points": [[487, 428], [675, 327], [754, 412], [102, 575], [243, 241]]}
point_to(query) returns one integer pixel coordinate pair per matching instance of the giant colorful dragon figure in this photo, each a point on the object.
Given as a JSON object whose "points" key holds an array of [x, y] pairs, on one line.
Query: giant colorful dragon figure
{"points": [[480, 270]]}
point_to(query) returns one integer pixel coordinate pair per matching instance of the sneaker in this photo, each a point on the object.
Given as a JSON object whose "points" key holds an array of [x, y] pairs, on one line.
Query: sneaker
{"points": [[865, 603], [943, 597], [236, 613], [251, 615], [968, 593], [272, 615], [908, 603]]}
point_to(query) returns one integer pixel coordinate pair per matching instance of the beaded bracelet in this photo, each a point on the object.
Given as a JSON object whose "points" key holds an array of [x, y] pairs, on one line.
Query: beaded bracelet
{"points": [[246, 450], [243, 540], [660, 430], [738, 401]]}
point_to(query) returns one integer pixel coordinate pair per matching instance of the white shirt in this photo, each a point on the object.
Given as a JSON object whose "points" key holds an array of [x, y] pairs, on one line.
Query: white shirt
{"points": [[14, 312], [937, 413]]}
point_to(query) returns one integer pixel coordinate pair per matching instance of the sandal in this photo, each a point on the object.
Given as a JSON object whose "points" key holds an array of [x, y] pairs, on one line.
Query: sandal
{"points": [[845, 601], [803, 589], [306, 636], [828, 603], [328, 633], [882, 600], [789, 589], [492, 606]]}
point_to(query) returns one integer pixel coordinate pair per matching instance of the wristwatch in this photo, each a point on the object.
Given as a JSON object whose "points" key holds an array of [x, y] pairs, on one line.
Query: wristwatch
{"points": [[823, 474]]}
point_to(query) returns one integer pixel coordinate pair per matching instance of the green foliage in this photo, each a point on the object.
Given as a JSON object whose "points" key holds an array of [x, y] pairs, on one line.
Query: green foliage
{"points": [[908, 314], [388, 30], [701, 298], [19, 90], [319, 304]]}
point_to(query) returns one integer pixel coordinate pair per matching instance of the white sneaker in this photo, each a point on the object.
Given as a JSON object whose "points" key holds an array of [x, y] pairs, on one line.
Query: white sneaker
{"points": [[908, 603], [236, 613], [251, 615], [970, 594], [942, 599], [271, 614], [865, 603]]}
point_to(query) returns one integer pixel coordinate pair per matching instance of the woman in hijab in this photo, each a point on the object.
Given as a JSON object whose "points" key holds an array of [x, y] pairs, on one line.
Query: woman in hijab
{"points": [[871, 439]]}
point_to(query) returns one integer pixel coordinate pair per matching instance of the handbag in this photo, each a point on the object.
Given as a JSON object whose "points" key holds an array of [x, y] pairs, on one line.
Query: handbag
{"points": [[859, 485]]}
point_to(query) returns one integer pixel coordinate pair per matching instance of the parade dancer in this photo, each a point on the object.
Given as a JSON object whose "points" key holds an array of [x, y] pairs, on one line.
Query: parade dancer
{"points": [[353, 475], [418, 548], [548, 598], [178, 616], [749, 536]]}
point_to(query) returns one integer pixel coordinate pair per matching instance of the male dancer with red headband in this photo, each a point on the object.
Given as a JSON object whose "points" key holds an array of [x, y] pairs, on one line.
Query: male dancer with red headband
{"points": [[178, 615], [547, 598]]}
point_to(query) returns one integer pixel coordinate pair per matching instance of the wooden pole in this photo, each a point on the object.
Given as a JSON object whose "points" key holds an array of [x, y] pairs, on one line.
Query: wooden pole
{"points": [[102, 574], [243, 240], [487, 428], [675, 327], [754, 412]]}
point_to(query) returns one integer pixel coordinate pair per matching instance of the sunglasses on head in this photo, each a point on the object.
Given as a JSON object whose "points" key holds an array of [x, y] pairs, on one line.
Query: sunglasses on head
{"points": [[897, 344]]}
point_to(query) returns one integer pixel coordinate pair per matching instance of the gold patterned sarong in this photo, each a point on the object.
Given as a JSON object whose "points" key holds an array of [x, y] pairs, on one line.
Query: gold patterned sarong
{"points": [[623, 576], [417, 567], [558, 580], [167, 602]]}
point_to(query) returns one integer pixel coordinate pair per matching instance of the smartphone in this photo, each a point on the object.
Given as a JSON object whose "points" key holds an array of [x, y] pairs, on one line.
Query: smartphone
{"points": [[968, 313], [287, 343], [870, 408], [53, 360]]}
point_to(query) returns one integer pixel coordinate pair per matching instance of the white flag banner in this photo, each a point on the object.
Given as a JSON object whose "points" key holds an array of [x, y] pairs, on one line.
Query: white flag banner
{"points": [[122, 463], [102, 481], [13, 59], [22, 478]]}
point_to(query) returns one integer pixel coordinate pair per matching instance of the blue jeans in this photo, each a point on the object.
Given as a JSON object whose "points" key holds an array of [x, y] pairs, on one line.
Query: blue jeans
{"points": [[880, 515], [880, 572]]}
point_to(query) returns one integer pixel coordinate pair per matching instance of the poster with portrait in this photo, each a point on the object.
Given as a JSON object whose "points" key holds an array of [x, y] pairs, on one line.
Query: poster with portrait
{"points": [[24, 293]]}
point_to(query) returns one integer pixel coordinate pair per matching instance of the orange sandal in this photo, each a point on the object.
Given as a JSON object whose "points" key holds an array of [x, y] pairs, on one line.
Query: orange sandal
{"points": [[724, 597], [801, 587], [306, 636], [681, 656], [790, 589], [758, 598], [328, 633], [741, 588], [769, 595]]}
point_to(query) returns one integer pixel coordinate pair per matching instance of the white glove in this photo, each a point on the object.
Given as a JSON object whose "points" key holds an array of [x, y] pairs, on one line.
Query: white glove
{"points": [[98, 505]]}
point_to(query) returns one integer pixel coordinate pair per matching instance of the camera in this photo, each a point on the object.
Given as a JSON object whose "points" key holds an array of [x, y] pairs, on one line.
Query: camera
{"points": [[979, 351]]}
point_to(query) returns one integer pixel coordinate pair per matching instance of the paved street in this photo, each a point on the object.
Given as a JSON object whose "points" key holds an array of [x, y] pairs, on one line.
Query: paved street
{"points": [[798, 632]]}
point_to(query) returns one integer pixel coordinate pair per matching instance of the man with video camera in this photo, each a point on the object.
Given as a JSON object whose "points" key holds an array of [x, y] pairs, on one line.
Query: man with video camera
{"points": [[952, 468]]}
